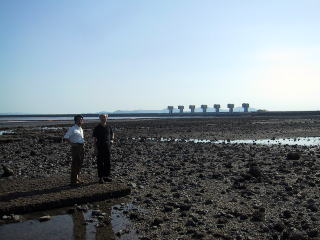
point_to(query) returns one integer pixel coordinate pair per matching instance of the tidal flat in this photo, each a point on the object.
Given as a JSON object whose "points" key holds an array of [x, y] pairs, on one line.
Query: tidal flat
{"points": [[187, 189]]}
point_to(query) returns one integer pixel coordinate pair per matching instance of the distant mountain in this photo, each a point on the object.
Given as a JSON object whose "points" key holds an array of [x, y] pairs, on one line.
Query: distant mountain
{"points": [[13, 113], [141, 111]]}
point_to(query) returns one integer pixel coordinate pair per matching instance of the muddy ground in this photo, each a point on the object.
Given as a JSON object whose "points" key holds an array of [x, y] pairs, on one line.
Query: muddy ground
{"points": [[189, 190]]}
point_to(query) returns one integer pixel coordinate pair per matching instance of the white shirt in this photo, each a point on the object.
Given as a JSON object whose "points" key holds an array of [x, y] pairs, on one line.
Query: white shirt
{"points": [[75, 134]]}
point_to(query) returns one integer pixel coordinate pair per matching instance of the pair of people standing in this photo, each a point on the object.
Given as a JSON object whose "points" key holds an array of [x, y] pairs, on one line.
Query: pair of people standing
{"points": [[103, 137]]}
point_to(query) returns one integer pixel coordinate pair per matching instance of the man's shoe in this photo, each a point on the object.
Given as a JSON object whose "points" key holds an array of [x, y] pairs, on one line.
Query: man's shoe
{"points": [[101, 181], [107, 179]]}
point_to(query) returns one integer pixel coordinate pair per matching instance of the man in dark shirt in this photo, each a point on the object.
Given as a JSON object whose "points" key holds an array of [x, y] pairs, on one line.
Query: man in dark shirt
{"points": [[103, 137]]}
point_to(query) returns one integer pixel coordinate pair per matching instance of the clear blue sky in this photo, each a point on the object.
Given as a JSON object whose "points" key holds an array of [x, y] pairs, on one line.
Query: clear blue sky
{"points": [[88, 56]]}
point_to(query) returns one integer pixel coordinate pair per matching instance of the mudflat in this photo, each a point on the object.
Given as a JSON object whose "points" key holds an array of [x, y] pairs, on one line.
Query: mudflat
{"points": [[191, 190], [38, 194]]}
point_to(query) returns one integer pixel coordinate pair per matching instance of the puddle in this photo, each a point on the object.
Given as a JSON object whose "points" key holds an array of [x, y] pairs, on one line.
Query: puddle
{"points": [[59, 227], [302, 141], [50, 128], [121, 223], [81, 224], [6, 132], [187, 140]]}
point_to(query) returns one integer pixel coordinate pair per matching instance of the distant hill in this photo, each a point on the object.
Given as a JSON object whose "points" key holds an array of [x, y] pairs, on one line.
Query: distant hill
{"points": [[13, 113], [141, 111]]}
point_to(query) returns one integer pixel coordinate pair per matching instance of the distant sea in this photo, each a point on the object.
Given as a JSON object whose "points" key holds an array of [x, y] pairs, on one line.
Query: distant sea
{"points": [[69, 117], [25, 119]]}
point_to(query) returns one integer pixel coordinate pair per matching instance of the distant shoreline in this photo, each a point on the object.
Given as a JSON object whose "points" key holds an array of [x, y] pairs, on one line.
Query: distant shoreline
{"points": [[160, 115]]}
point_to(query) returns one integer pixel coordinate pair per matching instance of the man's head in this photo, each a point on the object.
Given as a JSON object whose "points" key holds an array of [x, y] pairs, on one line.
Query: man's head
{"points": [[103, 118], [78, 119]]}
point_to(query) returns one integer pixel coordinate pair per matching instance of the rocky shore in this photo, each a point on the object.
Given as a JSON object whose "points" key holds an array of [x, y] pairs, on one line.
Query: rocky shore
{"points": [[187, 190]]}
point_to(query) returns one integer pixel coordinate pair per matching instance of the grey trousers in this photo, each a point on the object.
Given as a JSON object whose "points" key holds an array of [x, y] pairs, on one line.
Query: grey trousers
{"points": [[77, 152]]}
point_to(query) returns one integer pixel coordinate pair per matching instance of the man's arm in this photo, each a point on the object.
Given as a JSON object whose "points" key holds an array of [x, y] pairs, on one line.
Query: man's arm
{"points": [[94, 136], [95, 145], [112, 135], [67, 136]]}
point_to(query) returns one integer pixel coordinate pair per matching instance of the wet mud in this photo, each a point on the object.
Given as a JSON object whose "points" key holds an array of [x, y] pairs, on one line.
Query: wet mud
{"points": [[190, 190]]}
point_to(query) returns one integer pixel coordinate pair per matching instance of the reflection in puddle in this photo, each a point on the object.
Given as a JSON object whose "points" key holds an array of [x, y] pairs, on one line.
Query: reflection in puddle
{"points": [[302, 141], [80, 224]]}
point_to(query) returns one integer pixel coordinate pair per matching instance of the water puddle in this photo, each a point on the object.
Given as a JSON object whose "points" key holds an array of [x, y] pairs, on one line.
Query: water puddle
{"points": [[6, 132], [82, 223], [51, 128], [59, 227], [301, 141], [121, 223]]}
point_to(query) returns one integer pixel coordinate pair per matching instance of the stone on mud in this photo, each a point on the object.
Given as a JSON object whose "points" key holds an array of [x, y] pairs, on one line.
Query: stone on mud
{"points": [[44, 218], [293, 156]]}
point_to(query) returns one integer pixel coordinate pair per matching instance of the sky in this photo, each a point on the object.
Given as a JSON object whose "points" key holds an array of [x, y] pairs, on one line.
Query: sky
{"points": [[80, 56]]}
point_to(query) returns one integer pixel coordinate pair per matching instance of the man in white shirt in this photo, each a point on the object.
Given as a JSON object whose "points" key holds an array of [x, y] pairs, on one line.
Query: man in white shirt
{"points": [[75, 137]]}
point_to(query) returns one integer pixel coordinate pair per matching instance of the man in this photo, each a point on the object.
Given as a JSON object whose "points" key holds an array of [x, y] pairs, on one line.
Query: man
{"points": [[103, 137], [75, 137]]}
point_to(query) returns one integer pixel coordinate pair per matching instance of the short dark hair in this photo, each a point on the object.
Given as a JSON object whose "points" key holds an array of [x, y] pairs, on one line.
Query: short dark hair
{"points": [[76, 117]]}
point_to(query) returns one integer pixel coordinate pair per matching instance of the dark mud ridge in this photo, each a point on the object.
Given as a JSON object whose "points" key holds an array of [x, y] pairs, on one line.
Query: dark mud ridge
{"points": [[28, 195]]}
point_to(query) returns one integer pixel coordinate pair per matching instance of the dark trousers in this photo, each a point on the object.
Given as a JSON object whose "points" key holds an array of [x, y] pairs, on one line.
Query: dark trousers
{"points": [[77, 152], [103, 161]]}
